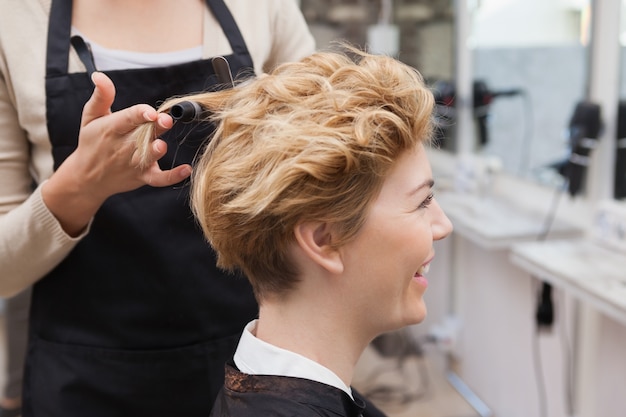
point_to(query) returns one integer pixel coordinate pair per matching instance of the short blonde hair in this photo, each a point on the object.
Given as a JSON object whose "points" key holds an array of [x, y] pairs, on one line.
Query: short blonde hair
{"points": [[311, 141]]}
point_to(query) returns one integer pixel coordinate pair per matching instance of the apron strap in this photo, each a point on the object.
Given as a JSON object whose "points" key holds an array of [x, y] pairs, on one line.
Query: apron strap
{"points": [[60, 29], [84, 53], [229, 26]]}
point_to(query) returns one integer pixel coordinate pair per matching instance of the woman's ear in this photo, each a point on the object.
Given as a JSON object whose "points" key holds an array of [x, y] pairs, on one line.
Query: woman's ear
{"points": [[315, 240]]}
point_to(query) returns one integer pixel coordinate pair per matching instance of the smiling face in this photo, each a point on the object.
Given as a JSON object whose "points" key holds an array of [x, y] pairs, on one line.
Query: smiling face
{"points": [[389, 257]]}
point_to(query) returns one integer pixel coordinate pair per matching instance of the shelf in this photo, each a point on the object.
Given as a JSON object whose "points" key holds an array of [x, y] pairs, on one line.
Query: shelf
{"points": [[585, 269], [494, 223]]}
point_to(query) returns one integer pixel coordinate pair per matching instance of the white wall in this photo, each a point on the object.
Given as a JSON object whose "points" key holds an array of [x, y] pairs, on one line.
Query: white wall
{"points": [[521, 23]]}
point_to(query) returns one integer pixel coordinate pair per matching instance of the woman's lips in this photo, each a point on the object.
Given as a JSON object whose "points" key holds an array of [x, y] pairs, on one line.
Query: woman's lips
{"points": [[423, 269]]}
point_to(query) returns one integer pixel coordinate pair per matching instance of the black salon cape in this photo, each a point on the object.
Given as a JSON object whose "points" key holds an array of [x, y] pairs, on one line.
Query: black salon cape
{"points": [[280, 396]]}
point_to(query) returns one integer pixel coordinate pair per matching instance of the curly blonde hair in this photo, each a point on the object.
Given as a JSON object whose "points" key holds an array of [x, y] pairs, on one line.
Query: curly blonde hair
{"points": [[311, 141]]}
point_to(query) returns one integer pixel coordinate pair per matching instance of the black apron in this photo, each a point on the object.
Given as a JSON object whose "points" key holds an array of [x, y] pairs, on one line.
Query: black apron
{"points": [[137, 320]]}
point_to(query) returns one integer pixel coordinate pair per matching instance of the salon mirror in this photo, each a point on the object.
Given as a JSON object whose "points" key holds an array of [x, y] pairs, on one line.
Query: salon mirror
{"points": [[529, 64], [418, 32]]}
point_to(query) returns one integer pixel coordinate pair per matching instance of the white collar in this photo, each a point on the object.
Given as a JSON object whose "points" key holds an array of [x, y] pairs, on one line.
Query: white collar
{"points": [[107, 59], [256, 357]]}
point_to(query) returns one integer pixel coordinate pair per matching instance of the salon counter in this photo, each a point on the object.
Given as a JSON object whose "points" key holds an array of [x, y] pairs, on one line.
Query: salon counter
{"points": [[494, 257], [498, 223], [595, 276], [589, 271], [508, 211]]}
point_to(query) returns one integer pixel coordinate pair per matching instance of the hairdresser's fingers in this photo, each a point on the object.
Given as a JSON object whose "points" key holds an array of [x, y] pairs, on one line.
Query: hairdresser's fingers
{"points": [[158, 178], [125, 121], [99, 104], [158, 149], [154, 175], [164, 123]]}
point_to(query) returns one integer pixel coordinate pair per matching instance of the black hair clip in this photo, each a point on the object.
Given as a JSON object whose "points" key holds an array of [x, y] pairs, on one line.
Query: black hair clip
{"points": [[222, 70]]}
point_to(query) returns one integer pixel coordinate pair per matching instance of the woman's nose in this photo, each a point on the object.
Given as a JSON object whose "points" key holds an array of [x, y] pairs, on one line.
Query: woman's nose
{"points": [[442, 226]]}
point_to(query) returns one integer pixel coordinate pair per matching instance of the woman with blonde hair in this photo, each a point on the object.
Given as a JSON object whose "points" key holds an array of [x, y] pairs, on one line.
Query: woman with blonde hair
{"points": [[316, 185]]}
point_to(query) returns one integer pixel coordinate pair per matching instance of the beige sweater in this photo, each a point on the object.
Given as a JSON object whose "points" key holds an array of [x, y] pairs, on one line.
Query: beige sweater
{"points": [[31, 240]]}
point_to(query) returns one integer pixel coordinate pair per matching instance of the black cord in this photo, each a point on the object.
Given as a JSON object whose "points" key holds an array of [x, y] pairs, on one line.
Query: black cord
{"points": [[527, 127], [549, 221], [545, 311], [545, 317], [567, 367]]}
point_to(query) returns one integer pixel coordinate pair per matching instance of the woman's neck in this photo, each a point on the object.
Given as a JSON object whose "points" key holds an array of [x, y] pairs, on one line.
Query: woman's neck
{"points": [[141, 25], [315, 333]]}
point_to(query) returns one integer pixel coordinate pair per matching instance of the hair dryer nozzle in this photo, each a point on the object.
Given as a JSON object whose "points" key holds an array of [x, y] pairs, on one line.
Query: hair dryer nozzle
{"points": [[186, 111]]}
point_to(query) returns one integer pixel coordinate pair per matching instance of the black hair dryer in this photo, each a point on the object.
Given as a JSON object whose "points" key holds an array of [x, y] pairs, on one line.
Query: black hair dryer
{"points": [[584, 131], [483, 97]]}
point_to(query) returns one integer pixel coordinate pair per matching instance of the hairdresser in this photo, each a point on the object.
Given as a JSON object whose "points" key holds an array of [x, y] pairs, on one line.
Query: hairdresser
{"points": [[129, 315]]}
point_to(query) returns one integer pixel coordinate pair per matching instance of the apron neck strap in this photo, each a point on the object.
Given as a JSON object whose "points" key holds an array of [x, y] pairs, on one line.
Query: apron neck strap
{"points": [[60, 29], [229, 26]]}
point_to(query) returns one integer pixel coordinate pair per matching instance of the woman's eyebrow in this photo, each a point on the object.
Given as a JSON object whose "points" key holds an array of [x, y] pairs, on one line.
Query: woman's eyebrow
{"points": [[429, 183]]}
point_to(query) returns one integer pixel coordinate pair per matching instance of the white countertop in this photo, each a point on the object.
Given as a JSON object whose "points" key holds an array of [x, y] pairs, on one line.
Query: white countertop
{"points": [[495, 223], [587, 270]]}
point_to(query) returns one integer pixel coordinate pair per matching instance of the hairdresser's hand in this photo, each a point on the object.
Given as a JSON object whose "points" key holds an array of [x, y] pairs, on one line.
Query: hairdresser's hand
{"points": [[105, 161]]}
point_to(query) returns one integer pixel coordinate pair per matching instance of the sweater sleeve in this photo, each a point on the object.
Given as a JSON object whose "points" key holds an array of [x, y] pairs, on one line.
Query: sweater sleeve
{"points": [[291, 38], [32, 243]]}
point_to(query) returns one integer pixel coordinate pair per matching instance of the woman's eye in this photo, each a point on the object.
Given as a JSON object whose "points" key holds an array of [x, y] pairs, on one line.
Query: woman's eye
{"points": [[427, 201]]}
